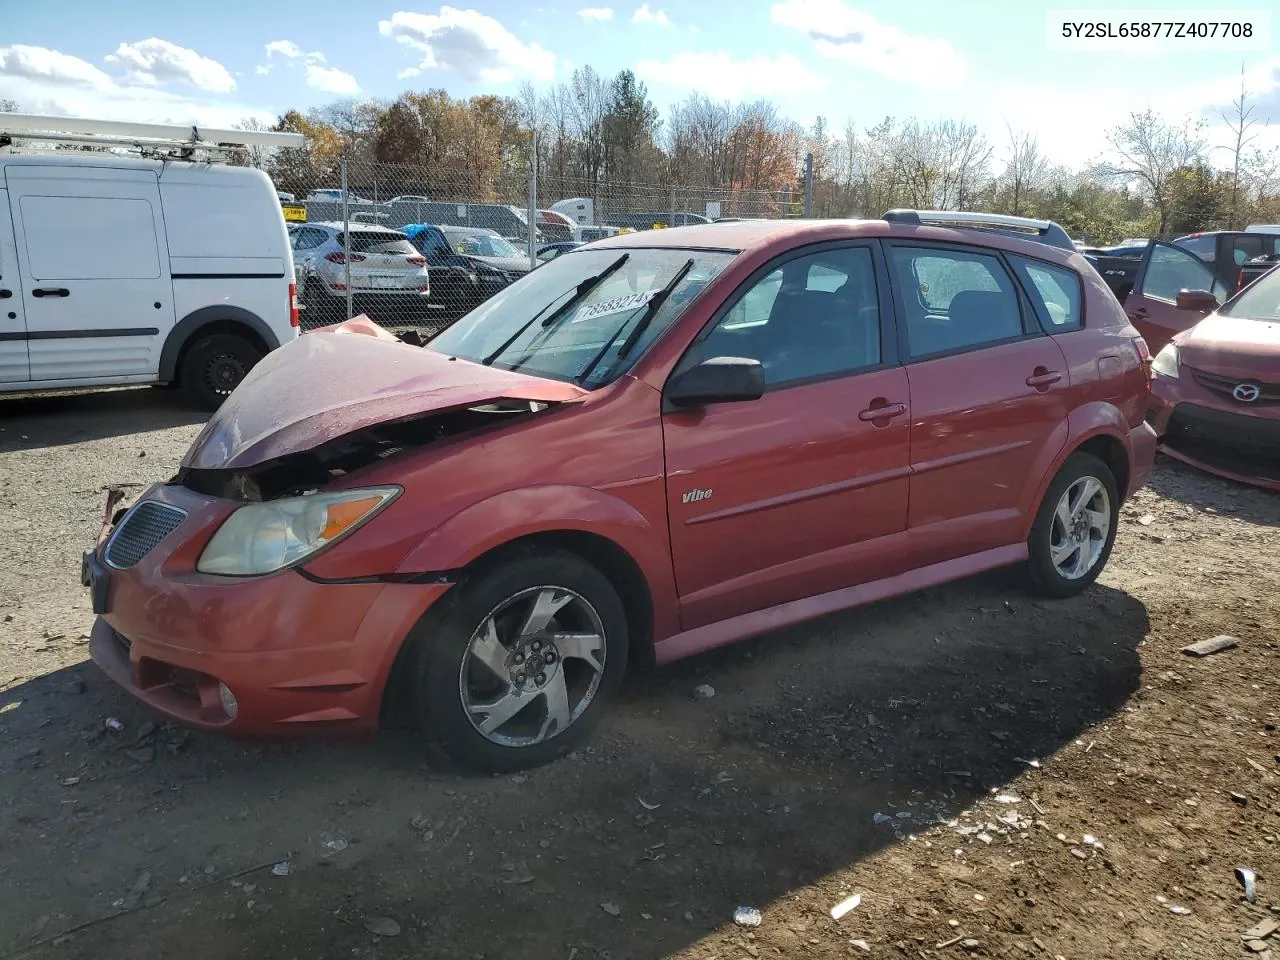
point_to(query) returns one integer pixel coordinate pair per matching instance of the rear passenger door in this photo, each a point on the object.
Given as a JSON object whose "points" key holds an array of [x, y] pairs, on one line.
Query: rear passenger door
{"points": [[94, 264], [988, 397]]}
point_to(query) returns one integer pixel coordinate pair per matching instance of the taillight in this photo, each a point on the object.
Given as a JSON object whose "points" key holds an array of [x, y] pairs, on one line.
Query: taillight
{"points": [[1144, 359], [342, 257], [417, 261], [293, 304]]}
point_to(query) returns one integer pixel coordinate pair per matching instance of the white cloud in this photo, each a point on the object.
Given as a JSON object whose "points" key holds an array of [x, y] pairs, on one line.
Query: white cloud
{"points": [[840, 32], [331, 80], [319, 76], [721, 77], [153, 62], [43, 65], [597, 14], [470, 44], [644, 15]]}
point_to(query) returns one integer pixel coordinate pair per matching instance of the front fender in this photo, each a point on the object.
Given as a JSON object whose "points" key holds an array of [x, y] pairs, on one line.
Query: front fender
{"points": [[514, 514]]}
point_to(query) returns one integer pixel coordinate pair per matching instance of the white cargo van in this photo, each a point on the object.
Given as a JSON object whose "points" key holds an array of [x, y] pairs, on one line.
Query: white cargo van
{"points": [[115, 269]]}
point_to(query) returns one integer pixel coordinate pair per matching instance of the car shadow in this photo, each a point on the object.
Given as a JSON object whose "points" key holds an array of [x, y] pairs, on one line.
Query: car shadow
{"points": [[1184, 483], [822, 745], [54, 419]]}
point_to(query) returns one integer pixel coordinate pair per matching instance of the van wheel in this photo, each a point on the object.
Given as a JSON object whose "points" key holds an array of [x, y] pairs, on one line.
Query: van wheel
{"points": [[214, 366], [1075, 528], [523, 662]]}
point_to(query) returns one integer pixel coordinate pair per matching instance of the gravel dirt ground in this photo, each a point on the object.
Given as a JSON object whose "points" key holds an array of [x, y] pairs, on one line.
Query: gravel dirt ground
{"points": [[943, 755]]}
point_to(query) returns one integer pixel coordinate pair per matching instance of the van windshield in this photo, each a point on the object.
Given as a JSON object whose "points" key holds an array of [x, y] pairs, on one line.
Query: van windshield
{"points": [[527, 327]]}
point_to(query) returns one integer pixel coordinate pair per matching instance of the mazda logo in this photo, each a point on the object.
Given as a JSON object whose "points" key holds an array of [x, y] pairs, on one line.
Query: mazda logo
{"points": [[1246, 392]]}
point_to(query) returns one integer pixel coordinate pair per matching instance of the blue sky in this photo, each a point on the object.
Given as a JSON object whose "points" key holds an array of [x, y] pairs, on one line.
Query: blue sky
{"points": [[856, 60]]}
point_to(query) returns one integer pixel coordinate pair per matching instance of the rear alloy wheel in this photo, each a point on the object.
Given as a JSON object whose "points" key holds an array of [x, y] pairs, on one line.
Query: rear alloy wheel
{"points": [[214, 366], [522, 665], [1075, 528]]}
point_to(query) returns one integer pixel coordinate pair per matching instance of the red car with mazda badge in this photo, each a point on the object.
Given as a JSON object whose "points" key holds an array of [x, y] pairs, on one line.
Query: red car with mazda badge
{"points": [[652, 445]]}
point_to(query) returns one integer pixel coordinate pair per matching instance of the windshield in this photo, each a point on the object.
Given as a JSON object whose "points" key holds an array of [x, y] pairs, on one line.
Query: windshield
{"points": [[1258, 301], [568, 344], [481, 244]]}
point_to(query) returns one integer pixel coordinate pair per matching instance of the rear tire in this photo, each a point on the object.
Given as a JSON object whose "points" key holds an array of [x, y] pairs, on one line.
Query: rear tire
{"points": [[498, 695], [214, 366], [1075, 528]]}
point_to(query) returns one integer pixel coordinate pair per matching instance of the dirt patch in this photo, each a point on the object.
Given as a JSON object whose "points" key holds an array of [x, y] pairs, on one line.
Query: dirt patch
{"points": [[925, 753]]}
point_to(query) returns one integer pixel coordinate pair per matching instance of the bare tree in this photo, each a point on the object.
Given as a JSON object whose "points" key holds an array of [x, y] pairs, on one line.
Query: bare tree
{"points": [[253, 156], [1150, 151], [9, 106], [1240, 123], [1025, 171]]}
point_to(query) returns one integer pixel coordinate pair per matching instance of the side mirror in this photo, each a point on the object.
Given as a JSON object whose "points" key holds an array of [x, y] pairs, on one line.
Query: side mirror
{"points": [[1199, 301], [718, 380]]}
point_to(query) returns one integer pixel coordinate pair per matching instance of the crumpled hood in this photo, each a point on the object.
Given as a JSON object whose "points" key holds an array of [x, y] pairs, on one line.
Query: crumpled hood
{"points": [[340, 379], [1233, 346]]}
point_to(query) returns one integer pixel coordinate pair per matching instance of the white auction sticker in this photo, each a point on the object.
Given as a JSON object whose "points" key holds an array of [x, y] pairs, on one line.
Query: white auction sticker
{"points": [[616, 305]]}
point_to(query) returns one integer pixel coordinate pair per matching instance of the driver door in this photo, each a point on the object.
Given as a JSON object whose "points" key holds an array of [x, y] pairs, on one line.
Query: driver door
{"points": [[1152, 305], [804, 490]]}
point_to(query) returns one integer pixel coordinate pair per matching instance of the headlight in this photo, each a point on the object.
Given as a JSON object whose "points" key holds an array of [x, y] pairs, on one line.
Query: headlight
{"points": [[1166, 362], [263, 537]]}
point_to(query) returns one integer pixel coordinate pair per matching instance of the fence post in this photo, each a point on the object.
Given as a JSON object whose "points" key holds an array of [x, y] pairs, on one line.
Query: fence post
{"points": [[808, 185], [533, 205], [673, 207], [346, 238]]}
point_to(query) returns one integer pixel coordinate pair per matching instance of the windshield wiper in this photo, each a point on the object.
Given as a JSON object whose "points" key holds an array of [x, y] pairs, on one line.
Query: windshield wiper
{"points": [[650, 311], [584, 288]]}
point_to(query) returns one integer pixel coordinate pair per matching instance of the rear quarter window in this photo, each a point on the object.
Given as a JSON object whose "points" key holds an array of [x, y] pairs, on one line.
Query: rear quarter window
{"points": [[1055, 291], [362, 242]]}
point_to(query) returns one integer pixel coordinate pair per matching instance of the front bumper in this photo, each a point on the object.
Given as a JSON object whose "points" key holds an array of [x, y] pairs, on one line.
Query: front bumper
{"points": [[299, 656], [1214, 434]]}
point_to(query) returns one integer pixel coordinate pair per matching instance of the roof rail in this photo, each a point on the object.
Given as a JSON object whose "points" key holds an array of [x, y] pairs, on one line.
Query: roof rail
{"points": [[1046, 231], [149, 139]]}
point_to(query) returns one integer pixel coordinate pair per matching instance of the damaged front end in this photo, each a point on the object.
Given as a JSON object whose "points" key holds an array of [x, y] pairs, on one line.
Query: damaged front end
{"points": [[344, 398]]}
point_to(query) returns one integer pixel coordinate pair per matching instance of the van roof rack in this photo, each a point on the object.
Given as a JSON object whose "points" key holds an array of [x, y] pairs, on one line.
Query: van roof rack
{"points": [[1046, 231], [157, 140]]}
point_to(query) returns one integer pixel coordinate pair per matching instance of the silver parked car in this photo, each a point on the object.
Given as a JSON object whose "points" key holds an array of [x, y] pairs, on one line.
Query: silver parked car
{"points": [[388, 275]]}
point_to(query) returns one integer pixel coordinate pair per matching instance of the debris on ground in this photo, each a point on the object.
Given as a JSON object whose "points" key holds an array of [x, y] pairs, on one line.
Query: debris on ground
{"points": [[111, 723], [1179, 910], [704, 691], [1202, 648], [1248, 881], [647, 805], [282, 869], [845, 905], [142, 754], [1261, 930], [136, 892], [382, 927], [612, 909], [861, 945], [517, 873], [337, 844], [747, 917]]}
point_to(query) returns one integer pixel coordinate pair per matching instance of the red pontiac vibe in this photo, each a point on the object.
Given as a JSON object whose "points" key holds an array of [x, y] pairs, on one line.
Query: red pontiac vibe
{"points": [[1216, 396], [650, 446]]}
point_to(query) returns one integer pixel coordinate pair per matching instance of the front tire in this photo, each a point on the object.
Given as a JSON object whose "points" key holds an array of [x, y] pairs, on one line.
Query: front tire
{"points": [[214, 366], [1075, 528], [523, 662]]}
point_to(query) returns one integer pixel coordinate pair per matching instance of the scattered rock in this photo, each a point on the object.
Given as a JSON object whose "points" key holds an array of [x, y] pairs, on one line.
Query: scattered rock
{"points": [[146, 730], [1262, 929], [142, 754], [136, 892], [1147, 519], [612, 909], [337, 844], [1239, 798], [74, 687], [1180, 911], [861, 945], [70, 781], [1257, 946], [382, 927], [282, 869], [517, 873], [1079, 854], [1202, 648], [111, 723], [970, 944], [747, 917], [704, 691]]}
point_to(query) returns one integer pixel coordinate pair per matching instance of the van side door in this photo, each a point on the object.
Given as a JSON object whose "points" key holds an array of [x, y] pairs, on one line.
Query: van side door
{"points": [[14, 367], [94, 265]]}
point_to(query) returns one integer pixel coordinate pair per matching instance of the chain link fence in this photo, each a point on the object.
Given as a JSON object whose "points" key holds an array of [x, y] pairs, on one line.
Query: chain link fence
{"points": [[413, 247]]}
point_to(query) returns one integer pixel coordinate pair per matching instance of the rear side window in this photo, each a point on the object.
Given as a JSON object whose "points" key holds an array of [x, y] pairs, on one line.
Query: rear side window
{"points": [[954, 300], [370, 242], [1057, 290], [305, 238], [1203, 247]]}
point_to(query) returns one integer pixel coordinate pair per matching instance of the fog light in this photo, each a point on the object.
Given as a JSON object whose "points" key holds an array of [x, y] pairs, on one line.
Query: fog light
{"points": [[229, 704]]}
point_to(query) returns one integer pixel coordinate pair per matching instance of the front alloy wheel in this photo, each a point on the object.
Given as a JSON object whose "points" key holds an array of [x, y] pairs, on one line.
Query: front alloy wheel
{"points": [[533, 667]]}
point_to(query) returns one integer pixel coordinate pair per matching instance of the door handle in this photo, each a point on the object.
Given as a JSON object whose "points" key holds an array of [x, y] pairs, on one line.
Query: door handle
{"points": [[5, 294], [1138, 312], [1042, 378], [883, 412], [51, 292]]}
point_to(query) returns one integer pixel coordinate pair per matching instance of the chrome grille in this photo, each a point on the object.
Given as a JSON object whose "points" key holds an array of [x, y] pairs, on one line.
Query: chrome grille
{"points": [[1267, 392], [142, 528]]}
